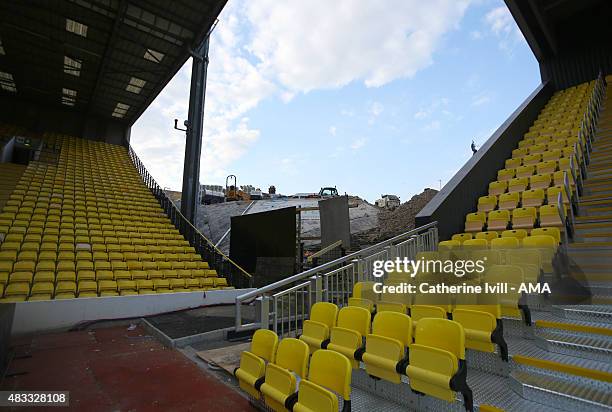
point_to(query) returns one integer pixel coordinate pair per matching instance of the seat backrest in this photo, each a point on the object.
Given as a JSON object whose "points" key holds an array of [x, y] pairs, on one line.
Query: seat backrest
{"points": [[363, 289], [540, 241], [517, 233], [510, 274], [393, 325], [325, 313], [476, 244], [486, 235], [449, 244], [505, 243], [355, 318], [442, 334], [264, 344], [551, 231], [332, 371], [293, 354]]}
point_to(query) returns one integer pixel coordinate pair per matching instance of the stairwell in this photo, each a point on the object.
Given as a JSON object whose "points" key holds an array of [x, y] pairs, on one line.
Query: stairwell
{"points": [[10, 174], [591, 250]]}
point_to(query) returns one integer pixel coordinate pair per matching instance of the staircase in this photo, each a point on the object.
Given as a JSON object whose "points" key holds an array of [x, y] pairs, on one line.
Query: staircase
{"points": [[10, 174]]}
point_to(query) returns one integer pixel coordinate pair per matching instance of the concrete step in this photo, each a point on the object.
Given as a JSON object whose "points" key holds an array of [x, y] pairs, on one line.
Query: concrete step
{"points": [[589, 313], [596, 347], [581, 228], [593, 209], [603, 190], [593, 219]]}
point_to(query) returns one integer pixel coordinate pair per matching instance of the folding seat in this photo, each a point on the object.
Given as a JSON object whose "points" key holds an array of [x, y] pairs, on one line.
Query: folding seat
{"points": [[176, 283], [87, 289], [65, 265], [145, 286], [518, 184], [488, 236], [475, 222], [83, 265], [127, 287], [516, 233], [524, 218], [487, 203], [202, 265], [107, 288], [41, 291], [505, 174], [532, 159], [193, 284], [525, 171], [21, 277], [513, 163], [177, 265], [65, 290], [550, 231], [482, 325], [253, 362], [16, 292], [514, 277], [190, 265], [530, 260], [162, 285], [554, 154], [449, 244], [280, 377], [519, 153], [462, 237], [155, 274], [498, 220], [221, 283], [345, 338], [553, 192], [206, 283], [183, 273], [505, 243], [437, 360], [548, 167], [508, 201], [118, 265], [385, 351], [565, 164], [44, 276], [533, 197], [475, 244]]}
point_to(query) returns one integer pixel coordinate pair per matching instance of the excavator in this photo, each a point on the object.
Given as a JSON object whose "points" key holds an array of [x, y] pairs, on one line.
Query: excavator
{"points": [[232, 193]]}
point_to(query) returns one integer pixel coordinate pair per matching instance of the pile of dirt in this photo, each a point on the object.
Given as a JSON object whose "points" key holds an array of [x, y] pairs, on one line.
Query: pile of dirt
{"points": [[394, 222]]}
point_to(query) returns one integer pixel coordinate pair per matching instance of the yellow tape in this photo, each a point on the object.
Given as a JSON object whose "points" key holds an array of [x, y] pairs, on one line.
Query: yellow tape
{"points": [[574, 327], [562, 367]]}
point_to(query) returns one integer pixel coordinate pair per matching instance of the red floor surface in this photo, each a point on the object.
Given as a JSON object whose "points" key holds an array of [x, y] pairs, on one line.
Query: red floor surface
{"points": [[114, 369]]}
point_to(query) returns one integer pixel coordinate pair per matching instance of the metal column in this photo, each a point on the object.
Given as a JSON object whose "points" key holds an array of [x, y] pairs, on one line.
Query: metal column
{"points": [[195, 121]]}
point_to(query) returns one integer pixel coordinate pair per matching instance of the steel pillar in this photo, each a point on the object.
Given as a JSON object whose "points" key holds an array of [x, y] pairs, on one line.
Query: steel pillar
{"points": [[195, 122]]}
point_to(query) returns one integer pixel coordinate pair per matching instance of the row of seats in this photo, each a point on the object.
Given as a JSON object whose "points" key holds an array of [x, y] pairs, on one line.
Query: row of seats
{"points": [[519, 218], [78, 227], [271, 370], [19, 289], [526, 198]]}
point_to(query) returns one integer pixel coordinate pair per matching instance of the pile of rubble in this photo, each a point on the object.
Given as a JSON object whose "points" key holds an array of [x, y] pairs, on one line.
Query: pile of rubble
{"points": [[393, 222]]}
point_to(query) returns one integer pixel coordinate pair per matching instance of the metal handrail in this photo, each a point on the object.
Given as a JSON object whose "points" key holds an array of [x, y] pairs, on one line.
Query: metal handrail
{"points": [[218, 260], [318, 269], [326, 249]]}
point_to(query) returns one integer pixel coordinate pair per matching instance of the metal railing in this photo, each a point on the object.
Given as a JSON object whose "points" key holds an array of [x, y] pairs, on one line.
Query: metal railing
{"points": [[225, 267], [283, 305]]}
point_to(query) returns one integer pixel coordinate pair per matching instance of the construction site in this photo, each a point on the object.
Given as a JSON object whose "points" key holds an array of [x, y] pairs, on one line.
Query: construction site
{"points": [[119, 294]]}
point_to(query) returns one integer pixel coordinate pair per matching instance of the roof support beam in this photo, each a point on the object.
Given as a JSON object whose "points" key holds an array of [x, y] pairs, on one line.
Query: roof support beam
{"points": [[195, 123]]}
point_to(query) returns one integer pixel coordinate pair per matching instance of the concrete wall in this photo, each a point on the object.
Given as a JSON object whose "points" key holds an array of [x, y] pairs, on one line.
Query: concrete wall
{"points": [[49, 118], [40, 316], [460, 195]]}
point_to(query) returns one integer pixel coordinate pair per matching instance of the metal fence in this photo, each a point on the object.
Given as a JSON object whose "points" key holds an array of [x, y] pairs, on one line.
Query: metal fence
{"points": [[225, 267], [283, 305]]}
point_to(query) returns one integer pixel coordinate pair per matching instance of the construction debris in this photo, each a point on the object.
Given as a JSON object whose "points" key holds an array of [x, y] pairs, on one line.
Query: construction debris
{"points": [[393, 222]]}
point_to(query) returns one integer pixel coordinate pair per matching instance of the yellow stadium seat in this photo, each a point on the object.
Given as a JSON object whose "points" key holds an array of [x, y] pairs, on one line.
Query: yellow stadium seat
{"points": [[509, 201], [252, 367], [329, 373], [437, 358], [346, 337], [498, 187], [385, 351], [316, 329], [525, 171], [550, 231], [552, 193], [475, 222], [486, 203], [551, 154], [538, 148], [462, 237], [524, 218], [520, 152], [548, 167], [280, 381], [505, 174], [488, 236], [550, 216], [517, 233], [483, 327], [532, 159], [498, 220], [518, 184], [513, 276], [533, 197], [530, 260], [505, 243], [514, 163], [475, 244]]}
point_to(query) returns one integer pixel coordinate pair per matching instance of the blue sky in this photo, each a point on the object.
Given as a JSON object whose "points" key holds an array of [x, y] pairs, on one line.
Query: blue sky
{"points": [[372, 97]]}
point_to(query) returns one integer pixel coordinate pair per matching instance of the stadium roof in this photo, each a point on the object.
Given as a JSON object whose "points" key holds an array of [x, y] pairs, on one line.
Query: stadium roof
{"points": [[558, 27], [110, 58]]}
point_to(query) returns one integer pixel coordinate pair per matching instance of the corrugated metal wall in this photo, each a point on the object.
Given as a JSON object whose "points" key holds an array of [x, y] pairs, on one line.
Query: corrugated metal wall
{"points": [[577, 66]]}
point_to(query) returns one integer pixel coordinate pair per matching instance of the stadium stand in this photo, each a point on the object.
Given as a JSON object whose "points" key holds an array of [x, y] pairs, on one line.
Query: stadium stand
{"points": [[88, 226]]}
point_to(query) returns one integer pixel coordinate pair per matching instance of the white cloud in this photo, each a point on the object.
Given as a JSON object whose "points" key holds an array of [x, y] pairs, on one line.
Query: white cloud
{"points": [[358, 143], [433, 125], [427, 110], [421, 114], [332, 130], [269, 48], [376, 109], [480, 99], [476, 35], [306, 45], [501, 23]]}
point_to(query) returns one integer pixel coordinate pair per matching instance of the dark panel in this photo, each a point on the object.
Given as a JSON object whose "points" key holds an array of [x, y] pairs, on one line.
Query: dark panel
{"points": [[577, 66], [460, 195], [263, 235], [6, 324], [335, 222]]}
